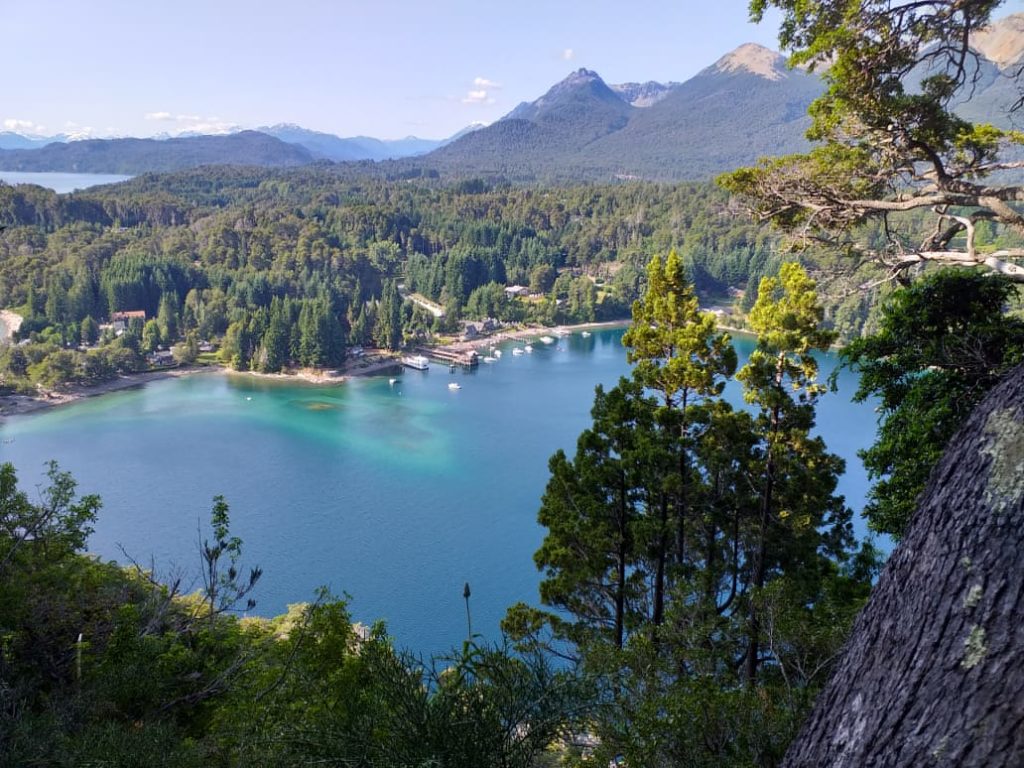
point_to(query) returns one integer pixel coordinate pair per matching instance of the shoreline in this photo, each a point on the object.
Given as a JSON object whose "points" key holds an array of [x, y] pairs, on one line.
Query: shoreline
{"points": [[533, 331], [19, 405], [376, 364]]}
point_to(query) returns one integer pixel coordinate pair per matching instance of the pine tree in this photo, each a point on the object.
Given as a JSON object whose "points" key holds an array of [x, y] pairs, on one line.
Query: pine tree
{"points": [[680, 354], [798, 512]]}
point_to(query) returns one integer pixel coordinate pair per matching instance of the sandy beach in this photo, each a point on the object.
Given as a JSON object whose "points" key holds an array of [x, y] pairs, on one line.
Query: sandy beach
{"points": [[367, 365], [15, 405], [374, 362]]}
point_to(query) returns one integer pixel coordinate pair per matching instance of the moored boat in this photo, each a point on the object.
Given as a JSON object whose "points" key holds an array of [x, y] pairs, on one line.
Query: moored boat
{"points": [[419, 362]]}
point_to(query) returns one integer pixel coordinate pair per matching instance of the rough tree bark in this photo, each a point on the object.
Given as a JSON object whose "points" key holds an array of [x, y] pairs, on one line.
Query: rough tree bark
{"points": [[933, 674]]}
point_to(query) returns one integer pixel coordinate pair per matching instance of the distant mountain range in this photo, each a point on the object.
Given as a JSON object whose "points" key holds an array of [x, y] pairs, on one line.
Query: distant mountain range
{"points": [[134, 156], [746, 105], [277, 145], [327, 146]]}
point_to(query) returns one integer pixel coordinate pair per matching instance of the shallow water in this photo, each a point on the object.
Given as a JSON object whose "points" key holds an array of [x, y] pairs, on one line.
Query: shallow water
{"points": [[396, 494]]}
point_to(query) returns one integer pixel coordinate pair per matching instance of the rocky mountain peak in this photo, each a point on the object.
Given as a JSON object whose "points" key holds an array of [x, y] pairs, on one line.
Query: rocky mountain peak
{"points": [[643, 94], [1002, 42], [756, 59]]}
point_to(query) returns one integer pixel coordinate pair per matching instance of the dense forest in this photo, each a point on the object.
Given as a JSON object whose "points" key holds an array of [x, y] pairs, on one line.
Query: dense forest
{"points": [[287, 268], [281, 268]]}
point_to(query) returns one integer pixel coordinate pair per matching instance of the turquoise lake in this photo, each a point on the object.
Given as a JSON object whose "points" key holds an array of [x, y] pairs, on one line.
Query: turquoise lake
{"points": [[396, 495], [61, 182]]}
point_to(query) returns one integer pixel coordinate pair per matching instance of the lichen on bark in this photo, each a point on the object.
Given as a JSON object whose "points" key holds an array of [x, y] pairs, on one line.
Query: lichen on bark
{"points": [[1006, 449]]}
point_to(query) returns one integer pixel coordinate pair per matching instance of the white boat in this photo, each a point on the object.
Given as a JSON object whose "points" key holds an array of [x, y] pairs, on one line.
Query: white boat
{"points": [[392, 382], [419, 362], [547, 339], [454, 385], [517, 351], [497, 353], [489, 359], [528, 347], [585, 334]]}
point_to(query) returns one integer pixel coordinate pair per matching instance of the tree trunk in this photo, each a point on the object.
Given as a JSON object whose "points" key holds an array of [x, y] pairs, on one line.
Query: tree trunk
{"points": [[620, 565], [932, 674], [683, 500], [659, 572], [760, 562]]}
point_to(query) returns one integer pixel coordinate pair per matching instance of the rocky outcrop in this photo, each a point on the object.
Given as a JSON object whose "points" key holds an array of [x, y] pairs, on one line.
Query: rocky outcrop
{"points": [[932, 674]]}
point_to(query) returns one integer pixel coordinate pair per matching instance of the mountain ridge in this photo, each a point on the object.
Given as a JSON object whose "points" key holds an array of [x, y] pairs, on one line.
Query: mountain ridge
{"points": [[747, 104], [134, 156]]}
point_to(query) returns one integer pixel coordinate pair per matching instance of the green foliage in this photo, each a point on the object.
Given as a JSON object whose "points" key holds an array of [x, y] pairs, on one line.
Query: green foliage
{"points": [[941, 344], [677, 349], [104, 665], [890, 135], [787, 320], [388, 333], [213, 252], [700, 566]]}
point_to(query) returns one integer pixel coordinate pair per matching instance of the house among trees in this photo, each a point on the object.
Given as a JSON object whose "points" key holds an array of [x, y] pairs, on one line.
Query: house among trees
{"points": [[512, 291], [162, 357]]}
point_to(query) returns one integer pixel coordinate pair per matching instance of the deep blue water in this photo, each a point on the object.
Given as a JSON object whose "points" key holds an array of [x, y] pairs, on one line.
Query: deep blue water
{"points": [[396, 495]]}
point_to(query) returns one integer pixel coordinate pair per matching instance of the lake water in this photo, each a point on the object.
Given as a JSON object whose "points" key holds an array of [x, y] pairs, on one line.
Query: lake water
{"points": [[61, 182], [396, 495]]}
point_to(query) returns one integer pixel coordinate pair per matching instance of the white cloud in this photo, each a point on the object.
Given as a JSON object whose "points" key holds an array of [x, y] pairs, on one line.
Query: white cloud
{"points": [[477, 97], [159, 116], [14, 124], [568, 54], [483, 82]]}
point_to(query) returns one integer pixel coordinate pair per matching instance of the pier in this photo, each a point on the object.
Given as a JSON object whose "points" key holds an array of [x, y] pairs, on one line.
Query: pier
{"points": [[468, 359]]}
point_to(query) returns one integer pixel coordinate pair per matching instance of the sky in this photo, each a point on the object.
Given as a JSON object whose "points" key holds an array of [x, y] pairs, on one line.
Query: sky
{"points": [[383, 68]]}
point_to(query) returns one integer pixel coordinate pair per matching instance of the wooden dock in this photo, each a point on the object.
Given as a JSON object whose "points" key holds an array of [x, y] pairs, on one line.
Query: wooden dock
{"points": [[468, 359]]}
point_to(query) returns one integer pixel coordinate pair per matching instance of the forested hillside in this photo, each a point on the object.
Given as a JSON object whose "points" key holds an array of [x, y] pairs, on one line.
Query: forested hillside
{"points": [[297, 265]]}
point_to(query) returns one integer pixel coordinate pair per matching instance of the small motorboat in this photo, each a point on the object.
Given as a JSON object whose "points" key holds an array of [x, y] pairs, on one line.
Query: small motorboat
{"points": [[528, 348], [517, 351], [454, 385]]}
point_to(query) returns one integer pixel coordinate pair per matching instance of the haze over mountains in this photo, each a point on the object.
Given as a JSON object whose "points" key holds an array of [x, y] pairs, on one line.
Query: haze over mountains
{"points": [[746, 105]]}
